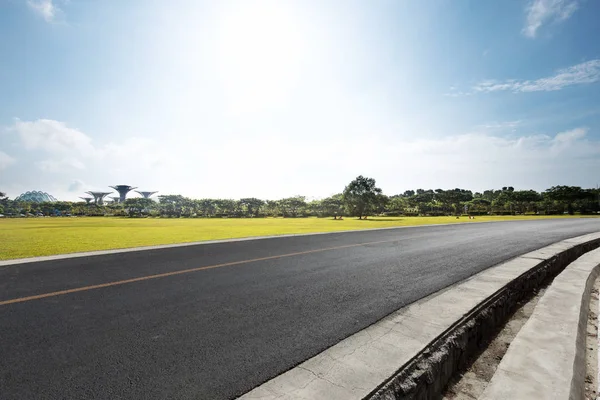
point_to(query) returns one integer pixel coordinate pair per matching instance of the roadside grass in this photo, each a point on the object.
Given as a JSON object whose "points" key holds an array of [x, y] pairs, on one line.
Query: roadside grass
{"points": [[31, 237]]}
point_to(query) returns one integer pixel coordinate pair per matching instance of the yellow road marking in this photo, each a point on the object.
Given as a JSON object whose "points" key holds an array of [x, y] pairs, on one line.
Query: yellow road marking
{"points": [[184, 271]]}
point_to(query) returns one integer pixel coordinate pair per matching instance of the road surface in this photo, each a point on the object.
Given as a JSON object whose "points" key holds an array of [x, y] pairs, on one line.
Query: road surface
{"points": [[223, 318]]}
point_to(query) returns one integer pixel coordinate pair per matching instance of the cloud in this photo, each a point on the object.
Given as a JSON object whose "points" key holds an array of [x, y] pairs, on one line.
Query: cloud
{"points": [[45, 8], [570, 136], [68, 147], [489, 157], [55, 153], [586, 72], [500, 125], [540, 12], [5, 160], [76, 186], [67, 164], [53, 137], [481, 160]]}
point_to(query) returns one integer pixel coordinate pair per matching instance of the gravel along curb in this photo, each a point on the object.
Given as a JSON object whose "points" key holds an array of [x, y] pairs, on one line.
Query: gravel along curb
{"points": [[546, 360], [413, 352]]}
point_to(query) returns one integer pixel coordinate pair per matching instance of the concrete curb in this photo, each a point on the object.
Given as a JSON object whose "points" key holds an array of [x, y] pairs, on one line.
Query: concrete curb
{"points": [[413, 352], [546, 360]]}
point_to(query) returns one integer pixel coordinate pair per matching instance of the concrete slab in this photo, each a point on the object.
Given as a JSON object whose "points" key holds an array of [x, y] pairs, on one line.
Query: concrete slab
{"points": [[542, 361]]}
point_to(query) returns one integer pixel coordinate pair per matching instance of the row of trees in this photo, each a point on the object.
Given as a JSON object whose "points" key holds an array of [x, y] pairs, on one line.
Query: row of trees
{"points": [[360, 198]]}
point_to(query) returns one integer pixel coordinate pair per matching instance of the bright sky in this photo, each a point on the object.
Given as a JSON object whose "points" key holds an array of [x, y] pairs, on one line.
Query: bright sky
{"points": [[275, 98]]}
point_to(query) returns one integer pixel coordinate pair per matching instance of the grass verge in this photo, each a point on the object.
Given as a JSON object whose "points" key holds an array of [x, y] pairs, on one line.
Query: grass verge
{"points": [[31, 237]]}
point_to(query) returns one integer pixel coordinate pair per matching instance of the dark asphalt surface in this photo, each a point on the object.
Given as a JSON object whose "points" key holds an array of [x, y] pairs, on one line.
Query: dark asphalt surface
{"points": [[217, 333]]}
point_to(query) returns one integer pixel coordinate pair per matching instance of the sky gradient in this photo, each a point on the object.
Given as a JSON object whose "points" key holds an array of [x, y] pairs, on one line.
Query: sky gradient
{"points": [[272, 99]]}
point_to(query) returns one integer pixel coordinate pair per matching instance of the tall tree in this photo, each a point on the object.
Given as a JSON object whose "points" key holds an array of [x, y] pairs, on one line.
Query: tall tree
{"points": [[3, 201], [566, 195], [252, 206], [360, 196], [333, 206], [292, 206], [138, 205], [207, 207], [272, 208], [226, 207]]}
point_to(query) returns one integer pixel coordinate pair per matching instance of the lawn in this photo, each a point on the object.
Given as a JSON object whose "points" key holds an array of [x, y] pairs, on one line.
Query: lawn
{"points": [[30, 237]]}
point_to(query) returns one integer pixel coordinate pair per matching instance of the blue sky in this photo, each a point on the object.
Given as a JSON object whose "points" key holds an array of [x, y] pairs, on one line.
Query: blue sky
{"points": [[276, 98]]}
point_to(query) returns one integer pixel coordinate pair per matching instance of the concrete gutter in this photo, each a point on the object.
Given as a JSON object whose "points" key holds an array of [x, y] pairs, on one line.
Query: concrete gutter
{"points": [[413, 352], [546, 360]]}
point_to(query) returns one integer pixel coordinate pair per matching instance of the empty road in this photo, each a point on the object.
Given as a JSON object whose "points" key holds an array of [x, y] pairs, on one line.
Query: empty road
{"points": [[221, 318]]}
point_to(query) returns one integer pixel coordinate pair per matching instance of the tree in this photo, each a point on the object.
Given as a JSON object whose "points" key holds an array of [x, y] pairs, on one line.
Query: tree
{"points": [[138, 205], [381, 202], [292, 206], [174, 205], [226, 207], [252, 206], [397, 204], [207, 207], [360, 196], [333, 206], [479, 205], [271, 208], [3, 200], [525, 200], [566, 195]]}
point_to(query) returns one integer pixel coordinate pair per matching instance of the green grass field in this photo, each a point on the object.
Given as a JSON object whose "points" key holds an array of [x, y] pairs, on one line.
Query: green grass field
{"points": [[30, 237]]}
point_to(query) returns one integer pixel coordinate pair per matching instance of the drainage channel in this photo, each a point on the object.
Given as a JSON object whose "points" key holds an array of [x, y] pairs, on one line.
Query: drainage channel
{"points": [[471, 382], [429, 374], [592, 341]]}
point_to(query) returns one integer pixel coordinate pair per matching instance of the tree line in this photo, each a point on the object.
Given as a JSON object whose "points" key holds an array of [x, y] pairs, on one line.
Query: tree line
{"points": [[360, 198]]}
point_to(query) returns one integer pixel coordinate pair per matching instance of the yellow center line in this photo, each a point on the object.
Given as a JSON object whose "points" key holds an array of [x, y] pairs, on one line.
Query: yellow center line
{"points": [[184, 271]]}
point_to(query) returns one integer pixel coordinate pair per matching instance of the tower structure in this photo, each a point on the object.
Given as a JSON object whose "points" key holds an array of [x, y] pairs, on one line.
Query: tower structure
{"points": [[99, 197], [123, 190], [146, 195], [87, 199]]}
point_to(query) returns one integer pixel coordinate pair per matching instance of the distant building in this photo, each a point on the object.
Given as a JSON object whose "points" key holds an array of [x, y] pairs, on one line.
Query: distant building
{"points": [[146, 195], [36, 196], [99, 196], [123, 190]]}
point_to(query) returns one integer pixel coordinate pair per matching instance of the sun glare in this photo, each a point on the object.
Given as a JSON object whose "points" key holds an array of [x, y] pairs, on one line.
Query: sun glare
{"points": [[261, 49]]}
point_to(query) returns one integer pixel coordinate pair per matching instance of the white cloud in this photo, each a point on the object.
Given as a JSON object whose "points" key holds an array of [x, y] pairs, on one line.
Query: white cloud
{"points": [[488, 158], [540, 12], [570, 136], [45, 8], [478, 161], [586, 72], [500, 125], [53, 137], [5, 160], [60, 153], [76, 186], [60, 165]]}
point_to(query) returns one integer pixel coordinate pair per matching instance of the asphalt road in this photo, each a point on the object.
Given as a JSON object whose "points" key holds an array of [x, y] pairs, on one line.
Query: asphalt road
{"points": [[217, 332]]}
